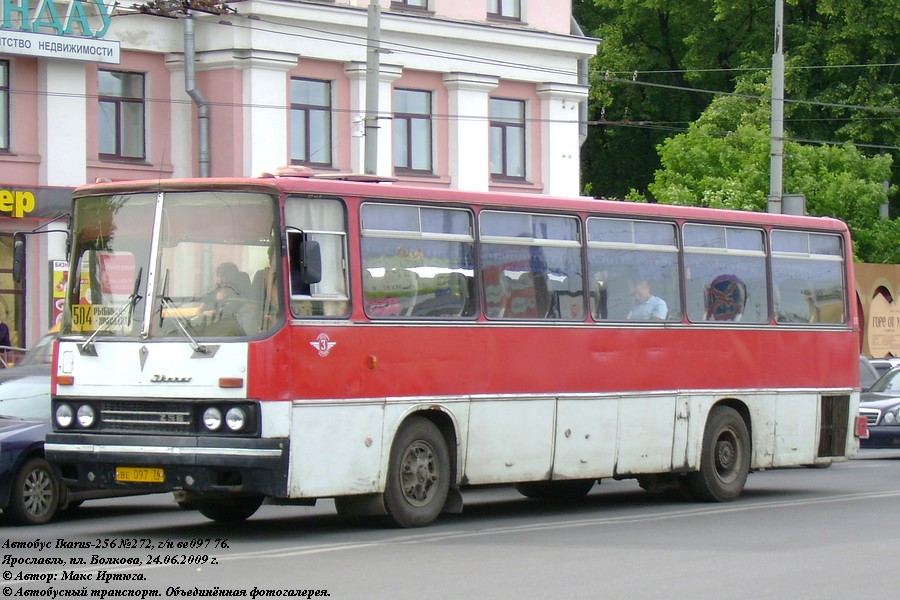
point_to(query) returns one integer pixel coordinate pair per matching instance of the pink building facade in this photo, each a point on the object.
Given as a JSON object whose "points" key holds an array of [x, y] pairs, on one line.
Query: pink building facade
{"points": [[471, 94]]}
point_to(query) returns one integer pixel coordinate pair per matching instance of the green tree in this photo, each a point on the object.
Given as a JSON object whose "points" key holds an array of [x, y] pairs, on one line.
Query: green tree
{"points": [[723, 162], [650, 74], [659, 61]]}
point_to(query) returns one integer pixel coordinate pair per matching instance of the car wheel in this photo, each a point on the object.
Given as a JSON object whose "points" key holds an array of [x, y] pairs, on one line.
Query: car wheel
{"points": [[35, 494]]}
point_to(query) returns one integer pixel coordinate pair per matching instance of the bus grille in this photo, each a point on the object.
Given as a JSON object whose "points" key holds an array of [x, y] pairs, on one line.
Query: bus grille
{"points": [[146, 416]]}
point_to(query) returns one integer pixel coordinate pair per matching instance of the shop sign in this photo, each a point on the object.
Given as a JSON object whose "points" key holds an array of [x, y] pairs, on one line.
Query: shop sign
{"points": [[41, 29], [37, 202], [59, 273], [884, 327], [19, 203]]}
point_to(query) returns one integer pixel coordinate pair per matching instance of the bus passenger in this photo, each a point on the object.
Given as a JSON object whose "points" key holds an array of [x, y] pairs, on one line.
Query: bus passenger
{"points": [[647, 307]]}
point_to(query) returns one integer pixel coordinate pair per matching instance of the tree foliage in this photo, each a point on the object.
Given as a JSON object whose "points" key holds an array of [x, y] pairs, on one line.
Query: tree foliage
{"points": [[680, 106], [723, 162]]}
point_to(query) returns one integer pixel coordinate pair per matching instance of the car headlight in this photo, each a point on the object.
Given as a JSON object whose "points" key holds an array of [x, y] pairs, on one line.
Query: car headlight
{"points": [[64, 415], [235, 418], [85, 415], [212, 418]]}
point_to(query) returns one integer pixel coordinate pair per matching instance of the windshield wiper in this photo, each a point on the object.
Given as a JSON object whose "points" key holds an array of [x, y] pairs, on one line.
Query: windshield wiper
{"points": [[88, 346], [166, 302]]}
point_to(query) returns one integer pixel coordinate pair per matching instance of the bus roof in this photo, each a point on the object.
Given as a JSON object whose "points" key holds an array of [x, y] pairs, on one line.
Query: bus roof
{"points": [[372, 187]]}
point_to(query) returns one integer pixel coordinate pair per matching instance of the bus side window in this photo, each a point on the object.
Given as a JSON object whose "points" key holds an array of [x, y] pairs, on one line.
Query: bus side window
{"points": [[316, 240]]}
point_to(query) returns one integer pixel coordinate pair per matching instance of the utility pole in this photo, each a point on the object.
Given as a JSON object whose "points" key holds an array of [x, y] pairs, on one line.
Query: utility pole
{"points": [[776, 158], [373, 47]]}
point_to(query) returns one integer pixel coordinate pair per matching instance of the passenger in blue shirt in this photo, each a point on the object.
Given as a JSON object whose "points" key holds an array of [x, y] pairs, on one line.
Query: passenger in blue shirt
{"points": [[647, 307]]}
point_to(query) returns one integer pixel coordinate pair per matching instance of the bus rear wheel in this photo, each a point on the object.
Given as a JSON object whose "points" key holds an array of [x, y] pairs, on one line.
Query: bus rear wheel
{"points": [[229, 509], [418, 478], [725, 458]]}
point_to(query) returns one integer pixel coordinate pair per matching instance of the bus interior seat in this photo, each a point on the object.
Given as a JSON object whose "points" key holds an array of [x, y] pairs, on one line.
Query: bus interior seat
{"points": [[496, 292], [457, 288], [523, 297], [403, 285]]}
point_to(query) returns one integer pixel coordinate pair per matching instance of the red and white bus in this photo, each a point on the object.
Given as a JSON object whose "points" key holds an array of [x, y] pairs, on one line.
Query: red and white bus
{"points": [[290, 338]]}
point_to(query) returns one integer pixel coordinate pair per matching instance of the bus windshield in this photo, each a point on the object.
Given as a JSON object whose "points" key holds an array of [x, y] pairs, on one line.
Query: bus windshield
{"points": [[183, 264]]}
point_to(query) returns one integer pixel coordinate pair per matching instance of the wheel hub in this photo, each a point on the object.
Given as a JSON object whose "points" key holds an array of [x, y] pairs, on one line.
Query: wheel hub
{"points": [[38, 493], [419, 473]]}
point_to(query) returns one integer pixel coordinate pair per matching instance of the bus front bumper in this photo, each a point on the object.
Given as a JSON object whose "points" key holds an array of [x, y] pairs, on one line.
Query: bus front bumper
{"points": [[170, 463]]}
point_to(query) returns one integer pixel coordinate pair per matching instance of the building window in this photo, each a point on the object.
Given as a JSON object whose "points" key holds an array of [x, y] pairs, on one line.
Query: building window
{"points": [[423, 4], [121, 118], [4, 105], [412, 130], [505, 9], [311, 122], [507, 138]]}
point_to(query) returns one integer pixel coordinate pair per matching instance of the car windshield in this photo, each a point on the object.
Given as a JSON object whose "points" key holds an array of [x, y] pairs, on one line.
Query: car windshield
{"points": [[41, 354], [27, 398], [889, 382]]}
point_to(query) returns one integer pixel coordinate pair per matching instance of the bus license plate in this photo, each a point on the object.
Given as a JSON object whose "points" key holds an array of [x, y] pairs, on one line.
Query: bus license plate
{"points": [[140, 475]]}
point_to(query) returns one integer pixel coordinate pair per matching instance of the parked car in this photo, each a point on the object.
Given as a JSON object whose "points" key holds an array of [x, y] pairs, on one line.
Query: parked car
{"points": [[36, 361], [30, 493], [880, 404], [868, 374], [883, 365]]}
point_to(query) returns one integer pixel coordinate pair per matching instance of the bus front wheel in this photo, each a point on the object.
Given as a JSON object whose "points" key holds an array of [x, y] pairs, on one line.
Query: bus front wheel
{"points": [[724, 459], [418, 478]]}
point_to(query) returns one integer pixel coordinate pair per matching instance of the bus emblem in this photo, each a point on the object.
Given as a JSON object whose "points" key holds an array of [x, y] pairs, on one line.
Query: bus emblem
{"points": [[323, 344]]}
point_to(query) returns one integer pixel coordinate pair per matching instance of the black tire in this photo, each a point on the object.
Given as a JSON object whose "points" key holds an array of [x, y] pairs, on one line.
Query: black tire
{"points": [[725, 458], [229, 509], [569, 490], [34, 495], [418, 477]]}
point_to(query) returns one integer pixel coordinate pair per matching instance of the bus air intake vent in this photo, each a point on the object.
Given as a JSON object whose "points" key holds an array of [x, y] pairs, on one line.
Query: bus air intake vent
{"points": [[834, 425]]}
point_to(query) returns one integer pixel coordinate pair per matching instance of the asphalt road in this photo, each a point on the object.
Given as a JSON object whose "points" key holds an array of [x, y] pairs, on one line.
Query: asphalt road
{"points": [[800, 533]]}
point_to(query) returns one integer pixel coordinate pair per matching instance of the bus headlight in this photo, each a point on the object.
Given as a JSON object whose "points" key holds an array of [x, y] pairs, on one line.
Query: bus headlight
{"points": [[64, 415], [85, 415], [212, 418], [235, 418]]}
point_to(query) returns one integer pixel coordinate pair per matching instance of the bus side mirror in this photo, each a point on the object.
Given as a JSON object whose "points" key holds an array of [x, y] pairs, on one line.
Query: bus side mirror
{"points": [[18, 260], [310, 262]]}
